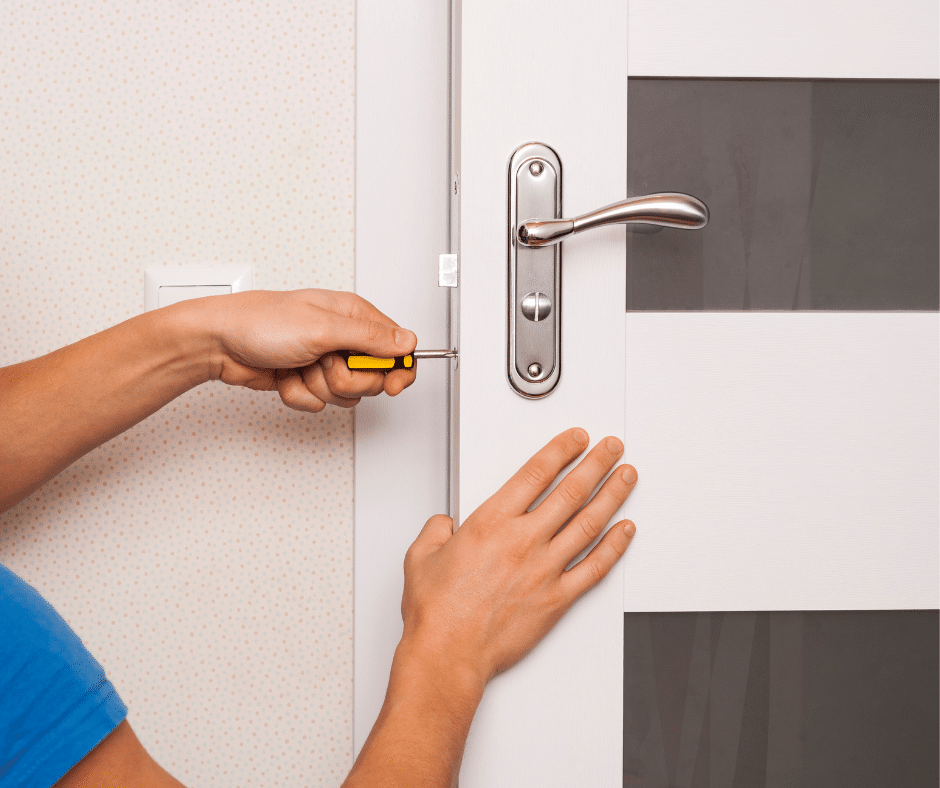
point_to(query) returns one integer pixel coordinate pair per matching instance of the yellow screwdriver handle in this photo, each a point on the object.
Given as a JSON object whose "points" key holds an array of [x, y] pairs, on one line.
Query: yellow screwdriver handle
{"points": [[361, 361]]}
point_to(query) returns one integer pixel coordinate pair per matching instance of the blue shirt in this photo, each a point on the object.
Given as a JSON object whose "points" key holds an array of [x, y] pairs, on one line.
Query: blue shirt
{"points": [[55, 702]]}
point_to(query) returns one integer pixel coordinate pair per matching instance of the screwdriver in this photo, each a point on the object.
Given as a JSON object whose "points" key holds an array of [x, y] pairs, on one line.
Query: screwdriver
{"points": [[361, 361]]}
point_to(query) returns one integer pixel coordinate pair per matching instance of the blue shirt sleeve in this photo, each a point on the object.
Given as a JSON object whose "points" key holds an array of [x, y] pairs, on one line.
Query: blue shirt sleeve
{"points": [[56, 704]]}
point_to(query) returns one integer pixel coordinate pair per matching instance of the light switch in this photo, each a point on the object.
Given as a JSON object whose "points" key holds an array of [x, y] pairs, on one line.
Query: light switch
{"points": [[173, 294], [170, 284]]}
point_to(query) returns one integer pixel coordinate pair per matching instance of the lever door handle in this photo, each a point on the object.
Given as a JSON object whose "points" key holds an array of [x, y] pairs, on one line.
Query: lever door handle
{"points": [[535, 175], [648, 213]]}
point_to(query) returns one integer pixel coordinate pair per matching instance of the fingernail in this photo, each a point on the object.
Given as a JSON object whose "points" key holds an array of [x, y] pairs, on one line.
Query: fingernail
{"points": [[326, 362], [614, 446], [580, 436], [629, 529], [628, 474], [402, 337]]}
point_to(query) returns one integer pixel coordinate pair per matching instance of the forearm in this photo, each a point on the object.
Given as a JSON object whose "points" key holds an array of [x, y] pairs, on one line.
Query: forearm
{"points": [[419, 737], [58, 407]]}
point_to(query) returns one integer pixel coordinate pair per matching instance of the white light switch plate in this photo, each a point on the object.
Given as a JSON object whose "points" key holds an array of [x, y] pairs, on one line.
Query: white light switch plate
{"points": [[169, 284]]}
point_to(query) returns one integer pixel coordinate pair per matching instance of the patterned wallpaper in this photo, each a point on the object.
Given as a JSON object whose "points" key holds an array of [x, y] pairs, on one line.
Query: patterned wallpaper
{"points": [[205, 556]]}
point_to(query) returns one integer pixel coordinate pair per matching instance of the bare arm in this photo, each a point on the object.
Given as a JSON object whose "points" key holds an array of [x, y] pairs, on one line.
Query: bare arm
{"points": [[56, 408], [419, 737], [119, 760]]}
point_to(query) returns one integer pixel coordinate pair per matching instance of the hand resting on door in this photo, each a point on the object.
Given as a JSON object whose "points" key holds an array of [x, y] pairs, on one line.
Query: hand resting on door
{"points": [[479, 599]]}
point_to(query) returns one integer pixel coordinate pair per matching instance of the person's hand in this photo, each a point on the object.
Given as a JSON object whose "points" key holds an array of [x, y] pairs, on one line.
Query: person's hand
{"points": [[266, 340], [481, 598]]}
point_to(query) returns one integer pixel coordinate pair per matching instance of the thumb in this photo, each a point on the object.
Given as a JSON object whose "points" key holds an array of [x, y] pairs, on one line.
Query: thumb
{"points": [[435, 533], [368, 336]]}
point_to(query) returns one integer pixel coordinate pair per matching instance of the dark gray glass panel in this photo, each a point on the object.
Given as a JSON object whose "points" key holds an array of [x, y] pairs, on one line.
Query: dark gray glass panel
{"points": [[781, 699], [823, 194]]}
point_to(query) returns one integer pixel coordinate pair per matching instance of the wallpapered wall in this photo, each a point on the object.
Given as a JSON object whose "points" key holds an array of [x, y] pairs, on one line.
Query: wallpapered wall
{"points": [[205, 556]]}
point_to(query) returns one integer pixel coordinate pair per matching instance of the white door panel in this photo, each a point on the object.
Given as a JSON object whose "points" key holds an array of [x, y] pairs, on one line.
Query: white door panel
{"points": [[788, 461], [799, 39], [543, 74]]}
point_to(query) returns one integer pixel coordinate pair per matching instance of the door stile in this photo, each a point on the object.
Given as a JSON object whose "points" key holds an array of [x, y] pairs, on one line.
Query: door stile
{"points": [[523, 76], [453, 247]]}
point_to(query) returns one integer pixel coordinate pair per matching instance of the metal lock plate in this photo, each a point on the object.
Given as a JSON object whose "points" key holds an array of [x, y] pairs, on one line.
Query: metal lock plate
{"points": [[534, 274]]}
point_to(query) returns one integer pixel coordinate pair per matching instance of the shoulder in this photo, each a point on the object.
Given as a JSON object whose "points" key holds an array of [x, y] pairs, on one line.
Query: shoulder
{"points": [[57, 703]]}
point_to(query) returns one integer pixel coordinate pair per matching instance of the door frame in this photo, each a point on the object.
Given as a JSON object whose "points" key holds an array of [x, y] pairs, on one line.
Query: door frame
{"points": [[401, 463]]}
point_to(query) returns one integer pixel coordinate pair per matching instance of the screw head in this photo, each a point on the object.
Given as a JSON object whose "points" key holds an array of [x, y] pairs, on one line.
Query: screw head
{"points": [[536, 168], [534, 370]]}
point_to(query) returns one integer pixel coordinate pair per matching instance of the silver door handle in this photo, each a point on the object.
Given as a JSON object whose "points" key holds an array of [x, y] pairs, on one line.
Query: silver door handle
{"points": [[534, 347], [648, 213]]}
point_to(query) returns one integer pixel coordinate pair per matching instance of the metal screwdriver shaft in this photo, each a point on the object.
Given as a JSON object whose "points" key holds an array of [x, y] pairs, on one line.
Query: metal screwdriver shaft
{"points": [[435, 354]]}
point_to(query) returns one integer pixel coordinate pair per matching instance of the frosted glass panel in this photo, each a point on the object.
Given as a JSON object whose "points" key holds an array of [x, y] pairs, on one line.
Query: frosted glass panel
{"points": [[781, 700], [823, 194]]}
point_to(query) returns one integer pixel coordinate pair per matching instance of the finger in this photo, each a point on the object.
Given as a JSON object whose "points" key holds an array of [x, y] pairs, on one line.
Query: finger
{"points": [[575, 489], [316, 384], [349, 383], [295, 394], [435, 533], [533, 478], [366, 336], [356, 307], [594, 567], [588, 524], [398, 380], [343, 381]]}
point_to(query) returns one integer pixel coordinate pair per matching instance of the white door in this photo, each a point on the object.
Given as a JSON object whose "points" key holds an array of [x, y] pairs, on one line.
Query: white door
{"points": [[775, 378]]}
